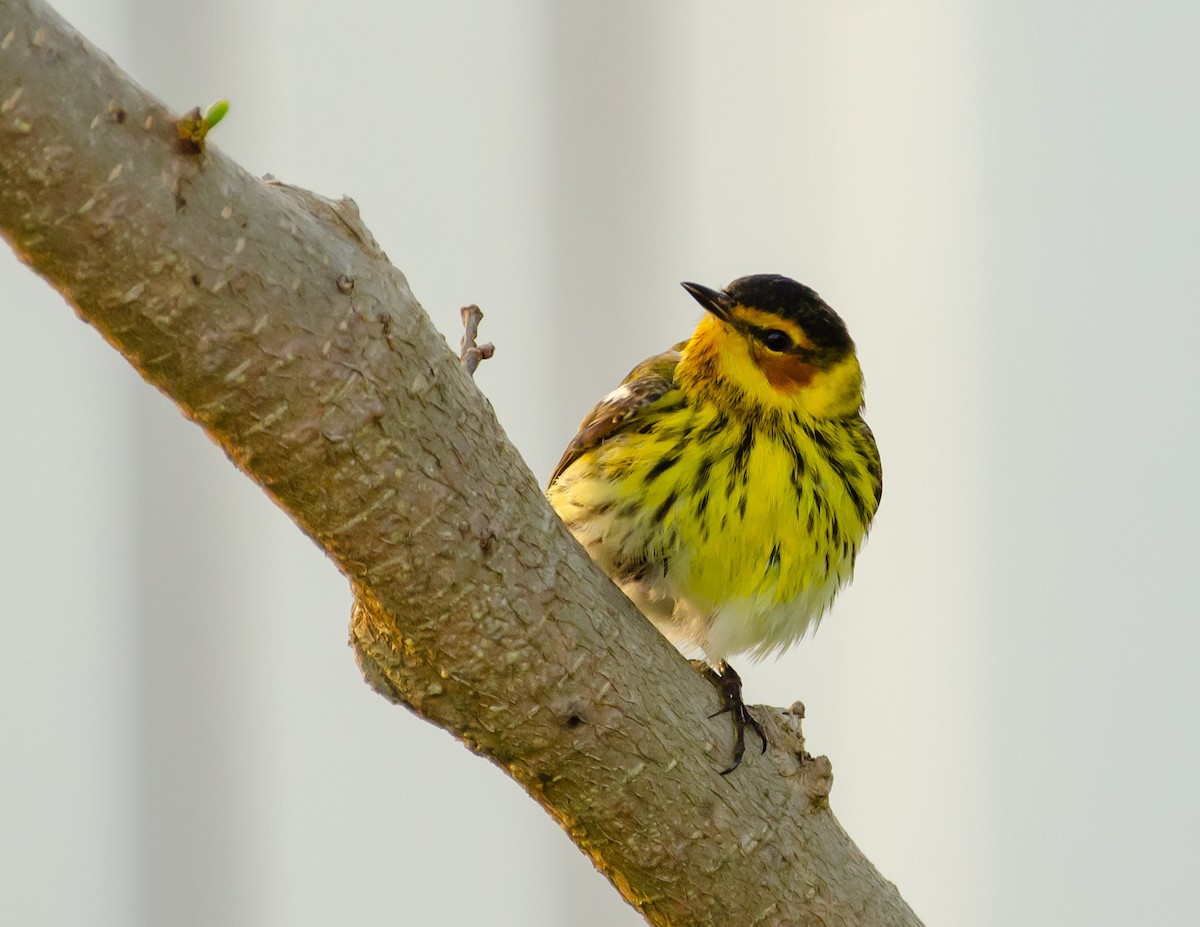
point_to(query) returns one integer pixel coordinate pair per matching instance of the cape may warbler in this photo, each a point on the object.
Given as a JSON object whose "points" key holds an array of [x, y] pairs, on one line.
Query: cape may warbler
{"points": [[727, 484]]}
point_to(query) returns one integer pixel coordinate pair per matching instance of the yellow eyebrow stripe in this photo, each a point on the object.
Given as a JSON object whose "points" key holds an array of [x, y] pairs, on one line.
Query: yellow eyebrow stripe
{"points": [[761, 319]]}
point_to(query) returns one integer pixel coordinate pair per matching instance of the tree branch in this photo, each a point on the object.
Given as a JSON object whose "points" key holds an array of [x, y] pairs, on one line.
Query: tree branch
{"points": [[273, 319]]}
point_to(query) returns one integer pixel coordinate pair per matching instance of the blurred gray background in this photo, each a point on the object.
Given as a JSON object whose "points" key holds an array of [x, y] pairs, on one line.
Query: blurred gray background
{"points": [[1002, 199]]}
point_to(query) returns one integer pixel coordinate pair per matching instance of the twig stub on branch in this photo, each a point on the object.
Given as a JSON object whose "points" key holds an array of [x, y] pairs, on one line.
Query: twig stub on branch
{"points": [[470, 353]]}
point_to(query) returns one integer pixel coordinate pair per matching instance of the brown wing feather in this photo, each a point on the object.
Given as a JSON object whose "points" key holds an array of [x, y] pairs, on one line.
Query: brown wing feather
{"points": [[648, 382]]}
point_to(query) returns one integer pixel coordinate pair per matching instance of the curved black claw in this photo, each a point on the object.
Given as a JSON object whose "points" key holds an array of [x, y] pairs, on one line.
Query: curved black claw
{"points": [[730, 683]]}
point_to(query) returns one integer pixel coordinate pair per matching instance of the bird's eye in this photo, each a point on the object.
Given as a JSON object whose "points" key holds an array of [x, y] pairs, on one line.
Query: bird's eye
{"points": [[776, 340]]}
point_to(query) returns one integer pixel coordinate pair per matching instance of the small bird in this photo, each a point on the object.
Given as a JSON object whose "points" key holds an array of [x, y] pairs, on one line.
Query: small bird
{"points": [[727, 484]]}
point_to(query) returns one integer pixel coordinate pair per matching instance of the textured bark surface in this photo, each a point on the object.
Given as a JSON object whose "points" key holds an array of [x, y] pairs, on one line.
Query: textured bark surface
{"points": [[274, 321]]}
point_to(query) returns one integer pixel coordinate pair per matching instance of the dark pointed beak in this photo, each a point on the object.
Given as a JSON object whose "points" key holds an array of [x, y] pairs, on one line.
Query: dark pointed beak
{"points": [[714, 301]]}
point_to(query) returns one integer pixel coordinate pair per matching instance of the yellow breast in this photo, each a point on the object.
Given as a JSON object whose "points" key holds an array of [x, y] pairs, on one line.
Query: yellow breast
{"points": [[730, 535]]}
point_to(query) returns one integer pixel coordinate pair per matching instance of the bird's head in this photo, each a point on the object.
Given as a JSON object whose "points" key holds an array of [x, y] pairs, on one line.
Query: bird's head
{"points": [[777, 343]]}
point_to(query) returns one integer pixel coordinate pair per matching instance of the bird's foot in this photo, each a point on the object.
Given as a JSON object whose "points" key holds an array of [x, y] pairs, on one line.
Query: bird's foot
{"points": [[729, 683]]}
